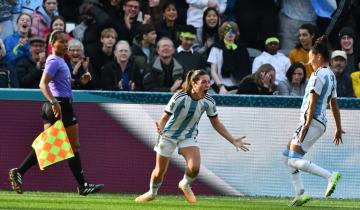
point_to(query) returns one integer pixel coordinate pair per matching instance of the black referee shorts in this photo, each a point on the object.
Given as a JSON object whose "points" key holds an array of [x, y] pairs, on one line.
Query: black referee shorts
{"points": [[68, 116]]}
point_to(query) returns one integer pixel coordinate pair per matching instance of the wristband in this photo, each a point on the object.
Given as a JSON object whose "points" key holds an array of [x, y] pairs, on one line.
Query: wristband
{"points": [[53, 101], [220, 85]]}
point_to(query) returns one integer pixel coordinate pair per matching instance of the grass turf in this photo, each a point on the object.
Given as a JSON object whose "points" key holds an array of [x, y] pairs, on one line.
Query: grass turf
{"points": [[105, 201]]}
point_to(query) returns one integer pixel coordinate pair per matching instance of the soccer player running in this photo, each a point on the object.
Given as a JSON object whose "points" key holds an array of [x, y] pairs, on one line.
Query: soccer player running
{"points": [[55, 84], [177, 127], [320, 91]]}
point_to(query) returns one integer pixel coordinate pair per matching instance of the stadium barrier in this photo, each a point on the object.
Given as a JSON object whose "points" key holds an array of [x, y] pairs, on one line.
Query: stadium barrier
{"points": [[117, 135]]}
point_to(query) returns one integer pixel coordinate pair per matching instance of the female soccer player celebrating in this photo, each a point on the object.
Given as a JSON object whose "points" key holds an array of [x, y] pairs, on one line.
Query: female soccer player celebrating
{"points": [[178, 128], [55, 85], [320, 90]]}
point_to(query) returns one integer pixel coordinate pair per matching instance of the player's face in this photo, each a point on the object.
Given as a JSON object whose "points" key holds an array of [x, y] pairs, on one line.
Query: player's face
{"points": [[201, 86], [60, 46]]}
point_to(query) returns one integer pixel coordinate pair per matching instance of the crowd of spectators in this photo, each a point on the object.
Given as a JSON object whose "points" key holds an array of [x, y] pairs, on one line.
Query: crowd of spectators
{"points": [[247, 46]]}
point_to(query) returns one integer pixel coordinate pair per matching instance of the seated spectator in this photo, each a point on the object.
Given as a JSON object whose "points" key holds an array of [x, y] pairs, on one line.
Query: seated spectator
{"points": [[101, 54], [129, 24], [229, 60], [58, 23], [306, 35], [209, 32], [41, 18], [278, 60], [344, 86], [262, 82], [355, 78], [4, 72], [185, 54], [122, 73], [292, 16], [17, 46], [295, 82], [165, 73], [86, 19], [153, 11], [29, 69], [143, 48], [349, 44], [168, 27], [79, 65]]}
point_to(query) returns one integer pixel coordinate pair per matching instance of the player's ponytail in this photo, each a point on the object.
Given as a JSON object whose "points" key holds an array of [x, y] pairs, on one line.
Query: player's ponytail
{"points": [[321, 46]]}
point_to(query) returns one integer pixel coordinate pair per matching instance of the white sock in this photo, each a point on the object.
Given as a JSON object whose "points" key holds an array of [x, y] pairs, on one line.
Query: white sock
{"points": [[154, 187], [187, 180], [295, 178], [309, 167]]}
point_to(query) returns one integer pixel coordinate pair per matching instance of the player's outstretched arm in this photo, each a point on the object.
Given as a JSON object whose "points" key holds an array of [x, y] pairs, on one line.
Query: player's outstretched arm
{"points": [[336, 113], [220, 128]]}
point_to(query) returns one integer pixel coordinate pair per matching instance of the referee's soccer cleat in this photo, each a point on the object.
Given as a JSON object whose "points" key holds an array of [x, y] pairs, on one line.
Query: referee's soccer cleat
{"points": [[15, 179], [188, 193], [146, 197], [334, 179], [301, 200], [89, 188]]}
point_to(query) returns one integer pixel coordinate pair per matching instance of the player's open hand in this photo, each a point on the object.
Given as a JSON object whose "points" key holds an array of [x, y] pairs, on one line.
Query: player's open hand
{"points": [[338, 137], [302, 134], [240, 144]]}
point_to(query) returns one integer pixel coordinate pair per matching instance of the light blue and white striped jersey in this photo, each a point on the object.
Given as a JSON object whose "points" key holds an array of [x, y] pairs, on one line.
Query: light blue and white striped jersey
{"points": [[185, 115], [323, 83]]}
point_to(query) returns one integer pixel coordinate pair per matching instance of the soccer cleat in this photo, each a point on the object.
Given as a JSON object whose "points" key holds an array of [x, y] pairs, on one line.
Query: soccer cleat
{"points": [[146, 197], [299, 201], [89, 188], [334, 179], [188, 193], [15, 179]]}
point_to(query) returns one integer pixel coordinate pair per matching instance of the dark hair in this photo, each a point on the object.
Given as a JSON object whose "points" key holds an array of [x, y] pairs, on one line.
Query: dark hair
{"points": [[55, 18], [167, 4], [312, 31], [126, 1], [291, 70], [192, 76], [208, 32], [55, 36], [321, 47], [144, 29]]}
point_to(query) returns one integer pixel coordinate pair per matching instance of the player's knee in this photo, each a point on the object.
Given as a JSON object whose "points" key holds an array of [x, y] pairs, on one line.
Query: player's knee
{"points": [[193, 170], [298, 163]]}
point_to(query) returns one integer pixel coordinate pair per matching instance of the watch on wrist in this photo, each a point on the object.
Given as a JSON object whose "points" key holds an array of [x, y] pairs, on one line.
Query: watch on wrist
{"points": [[53, 101]]}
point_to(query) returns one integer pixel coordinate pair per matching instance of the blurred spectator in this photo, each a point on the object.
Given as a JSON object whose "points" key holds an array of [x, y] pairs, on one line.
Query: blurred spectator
{"points": [[165, 73], [196, 10], [229, 59], [209, 32], [185, 54], [16, 11], [29, 69], [101, 54], [41, 18], [58, 23], [278, 60], [292, 15], [28, 7], [355, 77], [307, 34], [4, 72], [153, 11], [348, 43], [86, 19], [122, 73], [17, 46], [143, 49], [6, 26], [182, 7], [229, 13], [344, 86], [129, 24], [295, 82], [262, 82], [79, 65], [168, 27], [257, 19]]}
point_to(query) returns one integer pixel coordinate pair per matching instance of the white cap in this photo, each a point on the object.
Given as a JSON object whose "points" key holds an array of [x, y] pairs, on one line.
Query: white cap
{"points": [[340, 53]]}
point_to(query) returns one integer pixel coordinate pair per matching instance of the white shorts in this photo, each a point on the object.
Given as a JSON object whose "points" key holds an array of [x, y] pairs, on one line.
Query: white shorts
{"points": [[166, 146], [316, 130]]}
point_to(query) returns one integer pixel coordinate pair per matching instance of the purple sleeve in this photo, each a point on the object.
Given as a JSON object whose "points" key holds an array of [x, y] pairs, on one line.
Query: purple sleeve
{"points": [[51, 66]]}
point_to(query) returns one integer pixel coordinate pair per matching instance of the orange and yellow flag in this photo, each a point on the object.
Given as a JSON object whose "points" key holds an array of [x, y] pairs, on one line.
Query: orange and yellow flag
{"points": [[52, 145]]}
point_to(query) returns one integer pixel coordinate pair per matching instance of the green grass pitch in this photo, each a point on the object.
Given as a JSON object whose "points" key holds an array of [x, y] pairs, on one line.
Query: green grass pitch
{"points": [[105, 201]]}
